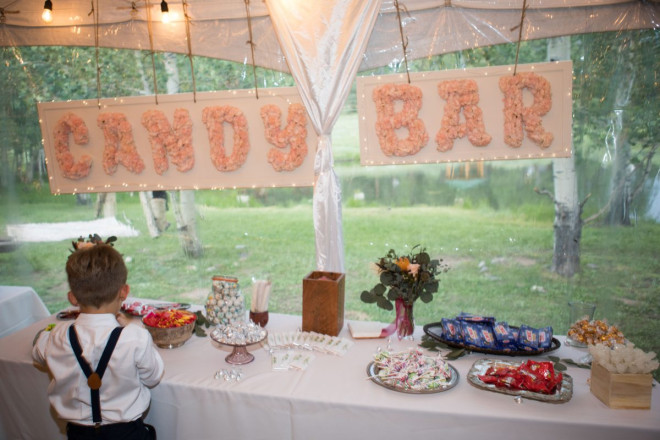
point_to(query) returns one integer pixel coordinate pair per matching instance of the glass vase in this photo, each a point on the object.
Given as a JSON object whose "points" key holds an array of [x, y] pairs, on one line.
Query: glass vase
{"points": [[405, 321]]}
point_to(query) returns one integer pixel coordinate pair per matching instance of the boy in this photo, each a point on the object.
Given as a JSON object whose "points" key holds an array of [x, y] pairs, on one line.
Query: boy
{"points": [[97, 402]]}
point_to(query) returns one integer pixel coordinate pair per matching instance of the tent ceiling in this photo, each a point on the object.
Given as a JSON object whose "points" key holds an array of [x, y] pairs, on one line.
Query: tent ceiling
{"points": [[219, 29]]}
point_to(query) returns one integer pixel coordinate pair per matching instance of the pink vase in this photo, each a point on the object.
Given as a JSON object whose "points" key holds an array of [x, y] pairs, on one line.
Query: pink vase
{"points": [[405, 322]]}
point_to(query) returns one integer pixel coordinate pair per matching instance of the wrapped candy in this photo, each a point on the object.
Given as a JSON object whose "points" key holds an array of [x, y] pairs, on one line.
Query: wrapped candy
{"points": [[624, 358], [595, 332], [537, 377]]}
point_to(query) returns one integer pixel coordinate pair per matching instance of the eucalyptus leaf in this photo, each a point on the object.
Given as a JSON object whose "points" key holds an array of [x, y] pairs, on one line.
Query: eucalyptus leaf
{"points": [[455, 354], [386, 278], [368, 297], [426, 297], [384, 303], [393, 294]]}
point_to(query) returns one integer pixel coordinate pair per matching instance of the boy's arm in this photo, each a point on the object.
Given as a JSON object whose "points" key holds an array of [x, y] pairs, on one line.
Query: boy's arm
{"points": [[149, 363], [39, 344], [123, 320]]}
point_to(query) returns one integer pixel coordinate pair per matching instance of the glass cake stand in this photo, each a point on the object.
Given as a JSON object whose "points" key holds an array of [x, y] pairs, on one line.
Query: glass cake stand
{"points": [[239, 354]]}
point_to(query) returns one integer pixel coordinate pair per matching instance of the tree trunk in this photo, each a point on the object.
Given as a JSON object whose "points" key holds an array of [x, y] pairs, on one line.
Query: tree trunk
{"points": [[106, 204], [184, 213], [145, 201], [568, 224], [622, 171], [184, 207]]}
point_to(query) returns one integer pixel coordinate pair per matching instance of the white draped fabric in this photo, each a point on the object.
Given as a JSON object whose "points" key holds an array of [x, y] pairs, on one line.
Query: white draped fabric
{"points": [[219, 28], [323, 43]]}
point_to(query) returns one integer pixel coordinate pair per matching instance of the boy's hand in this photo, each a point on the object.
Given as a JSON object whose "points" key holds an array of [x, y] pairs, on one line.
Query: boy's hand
{"points": [[123, 319]]}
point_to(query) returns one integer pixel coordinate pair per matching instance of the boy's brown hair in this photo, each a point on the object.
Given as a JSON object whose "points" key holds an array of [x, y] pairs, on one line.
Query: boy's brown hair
{"points": [[96, 274]]}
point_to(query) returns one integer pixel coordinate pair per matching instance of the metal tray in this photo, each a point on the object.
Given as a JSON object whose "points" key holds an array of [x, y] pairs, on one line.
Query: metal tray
{"points": [[372, 372], [434, 330], [563, 393]]}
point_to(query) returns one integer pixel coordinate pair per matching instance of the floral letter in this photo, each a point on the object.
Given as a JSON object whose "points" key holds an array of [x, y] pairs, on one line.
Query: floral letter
{"points": [[213, 118], [388, 121], [175, 141], [515, 115], [461, 94], [295, 134], [118, 131], [70, 123]]}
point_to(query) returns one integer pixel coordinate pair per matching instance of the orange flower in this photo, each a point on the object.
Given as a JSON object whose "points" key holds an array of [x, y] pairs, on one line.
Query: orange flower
{"points": [[403, 263]]}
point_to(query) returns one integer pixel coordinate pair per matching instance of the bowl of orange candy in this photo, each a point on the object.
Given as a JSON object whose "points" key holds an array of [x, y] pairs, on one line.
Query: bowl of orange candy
{"points": [[170, 328]]}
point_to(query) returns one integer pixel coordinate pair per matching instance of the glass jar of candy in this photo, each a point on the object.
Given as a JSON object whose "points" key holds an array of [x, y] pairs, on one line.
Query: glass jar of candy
{"points": [[225, 304]]}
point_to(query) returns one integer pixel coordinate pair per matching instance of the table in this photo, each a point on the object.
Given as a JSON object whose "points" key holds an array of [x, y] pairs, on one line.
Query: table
{"points": [[331, 399], [20, 306]]}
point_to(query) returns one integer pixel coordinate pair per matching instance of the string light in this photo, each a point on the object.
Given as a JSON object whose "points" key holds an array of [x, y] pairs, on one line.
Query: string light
{"points": [[47, 15], [166, 12]]}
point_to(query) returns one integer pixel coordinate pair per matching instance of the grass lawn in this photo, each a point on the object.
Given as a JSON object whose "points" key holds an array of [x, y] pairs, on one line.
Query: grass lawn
{"points": [[499, 262]]}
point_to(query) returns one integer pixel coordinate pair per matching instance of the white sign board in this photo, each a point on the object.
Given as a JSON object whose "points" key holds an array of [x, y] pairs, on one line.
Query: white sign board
{"points": [[226, 139], [466, 115]]}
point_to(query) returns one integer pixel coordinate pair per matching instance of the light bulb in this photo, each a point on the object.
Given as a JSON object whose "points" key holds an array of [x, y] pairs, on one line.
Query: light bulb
{"points": [[47, 15], [166, 12]]}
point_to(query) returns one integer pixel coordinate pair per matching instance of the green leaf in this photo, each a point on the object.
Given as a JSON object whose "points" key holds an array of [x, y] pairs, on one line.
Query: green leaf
{"points": [[379, 289], [576, 364], [387, 278], [368, 297], [383, 303], [423, 258], [393, 294], [432, 344], [455, 354], [426, 297], [432, 286]]}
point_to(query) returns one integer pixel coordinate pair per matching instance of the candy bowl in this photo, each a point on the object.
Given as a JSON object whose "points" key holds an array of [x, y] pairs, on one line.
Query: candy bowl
{"points": [[170, 328]]}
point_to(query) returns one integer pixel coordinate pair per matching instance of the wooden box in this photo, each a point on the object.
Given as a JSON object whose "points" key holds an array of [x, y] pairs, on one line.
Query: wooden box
{"points": [[621, 391], [323, 302]]}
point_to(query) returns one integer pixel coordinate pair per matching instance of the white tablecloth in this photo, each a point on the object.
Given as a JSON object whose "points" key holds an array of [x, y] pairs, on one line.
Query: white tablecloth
{"points": [[331, 399], [20, 306]]}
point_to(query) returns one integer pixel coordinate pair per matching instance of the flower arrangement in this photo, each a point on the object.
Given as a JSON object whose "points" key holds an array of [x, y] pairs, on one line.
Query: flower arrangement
{"points": [[294, 134], [389, 120], [71, 124], [461, 95], [516, 114], [92, 240], [405, 279], [214, 119], [119, 144], [175, 140]]}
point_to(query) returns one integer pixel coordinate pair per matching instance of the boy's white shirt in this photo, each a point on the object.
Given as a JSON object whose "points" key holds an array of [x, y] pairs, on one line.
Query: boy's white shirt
{"points": [[134, 367]]}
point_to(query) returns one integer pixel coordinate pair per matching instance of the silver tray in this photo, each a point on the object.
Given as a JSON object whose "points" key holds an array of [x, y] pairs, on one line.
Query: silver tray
{"points": [[562, 394], [372, 372]]}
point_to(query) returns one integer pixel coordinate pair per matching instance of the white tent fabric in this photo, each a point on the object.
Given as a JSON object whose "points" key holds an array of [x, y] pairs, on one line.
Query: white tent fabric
{"points": [[219, 28], [324, 43]]}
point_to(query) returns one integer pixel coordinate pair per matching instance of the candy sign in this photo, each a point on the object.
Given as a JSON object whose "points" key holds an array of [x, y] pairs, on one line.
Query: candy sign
{"points": [[226, 139], [466, 115]]}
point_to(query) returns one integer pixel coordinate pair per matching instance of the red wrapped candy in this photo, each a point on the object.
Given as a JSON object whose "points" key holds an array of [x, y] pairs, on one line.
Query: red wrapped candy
{"points": [[537, 377]]}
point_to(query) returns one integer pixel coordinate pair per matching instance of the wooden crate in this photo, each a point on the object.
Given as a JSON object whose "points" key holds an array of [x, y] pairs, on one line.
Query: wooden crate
{"points": [[621, 391], [323, 302]]}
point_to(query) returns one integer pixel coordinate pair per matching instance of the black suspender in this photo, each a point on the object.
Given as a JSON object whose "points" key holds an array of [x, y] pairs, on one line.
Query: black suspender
{"points": [[94, 377]]}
